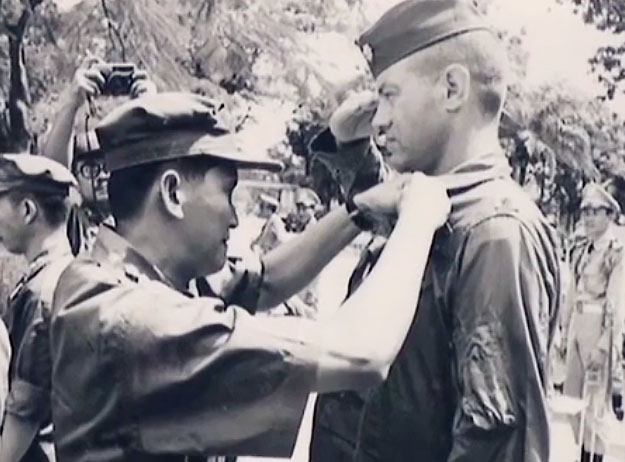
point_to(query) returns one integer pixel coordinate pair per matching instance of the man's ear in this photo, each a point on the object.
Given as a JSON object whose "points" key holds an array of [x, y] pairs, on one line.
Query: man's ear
{"points": [[457, 86], [28, 210], [172, 195]]}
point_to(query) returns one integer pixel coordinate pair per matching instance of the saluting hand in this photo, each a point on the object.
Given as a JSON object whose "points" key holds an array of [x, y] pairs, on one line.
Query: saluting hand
{"points": [[352, 119]]}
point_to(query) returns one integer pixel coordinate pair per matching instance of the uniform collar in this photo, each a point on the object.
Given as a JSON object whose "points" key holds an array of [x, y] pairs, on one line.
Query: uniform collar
{"points": [[478, 170], [604, 239], [117, 251], [54, 249], [464, 177]]}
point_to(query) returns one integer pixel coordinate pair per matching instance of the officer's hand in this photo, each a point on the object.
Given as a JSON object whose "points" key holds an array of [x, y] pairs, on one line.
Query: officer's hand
{"points": [[383, 198], [617, 406], [426, 198], [142, 85], [352, 119], [88, 79]]}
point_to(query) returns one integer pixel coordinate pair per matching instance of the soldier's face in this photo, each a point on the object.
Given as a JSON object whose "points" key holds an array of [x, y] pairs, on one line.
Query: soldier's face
{"points": [[409, 123], [14, 231], [92, 179], [208, 217], [596, 220]]}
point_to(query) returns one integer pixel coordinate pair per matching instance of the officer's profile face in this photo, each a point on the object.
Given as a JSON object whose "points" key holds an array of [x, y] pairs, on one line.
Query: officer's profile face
{"points": [[207, 215], [410, 120], [16, 214]]}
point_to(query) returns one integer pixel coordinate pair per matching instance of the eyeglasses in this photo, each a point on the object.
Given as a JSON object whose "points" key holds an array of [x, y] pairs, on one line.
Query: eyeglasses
{"points": [[594, 211], [91, 170], [302, 206]]}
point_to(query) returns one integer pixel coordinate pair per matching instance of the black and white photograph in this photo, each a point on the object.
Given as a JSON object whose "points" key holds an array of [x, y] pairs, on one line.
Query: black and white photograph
{"points": [[312, 230]]}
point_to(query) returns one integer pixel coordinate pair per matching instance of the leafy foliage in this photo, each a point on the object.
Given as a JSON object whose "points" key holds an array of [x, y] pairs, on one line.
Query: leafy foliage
{"points": [[606, 15]]}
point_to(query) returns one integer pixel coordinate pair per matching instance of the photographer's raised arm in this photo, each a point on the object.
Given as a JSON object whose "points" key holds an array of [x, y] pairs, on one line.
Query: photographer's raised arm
{"points": [[58, 144], [89, 81]]}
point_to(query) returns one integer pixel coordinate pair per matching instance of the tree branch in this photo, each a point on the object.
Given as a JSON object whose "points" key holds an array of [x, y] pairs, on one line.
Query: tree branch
{"points": [[113, 30]]}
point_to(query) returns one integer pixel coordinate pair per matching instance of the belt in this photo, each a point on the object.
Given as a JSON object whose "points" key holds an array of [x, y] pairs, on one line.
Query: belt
{"points": [[590, 308]]}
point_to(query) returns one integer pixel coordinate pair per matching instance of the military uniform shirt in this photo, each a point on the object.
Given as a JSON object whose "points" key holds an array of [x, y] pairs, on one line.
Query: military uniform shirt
{"points": [[27, 320], [142, 372], [469, 382]]}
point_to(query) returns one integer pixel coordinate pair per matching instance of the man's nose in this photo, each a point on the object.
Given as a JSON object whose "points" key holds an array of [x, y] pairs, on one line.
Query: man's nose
{"points": [[381, 121], [234, 218]]}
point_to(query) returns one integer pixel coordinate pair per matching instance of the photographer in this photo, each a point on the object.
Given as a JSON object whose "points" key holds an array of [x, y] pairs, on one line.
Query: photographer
{"points": [[81, 153]]}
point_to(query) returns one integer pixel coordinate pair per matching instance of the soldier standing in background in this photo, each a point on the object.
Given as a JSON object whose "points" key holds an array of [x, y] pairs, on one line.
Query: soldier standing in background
{"points": [[593, 320]]}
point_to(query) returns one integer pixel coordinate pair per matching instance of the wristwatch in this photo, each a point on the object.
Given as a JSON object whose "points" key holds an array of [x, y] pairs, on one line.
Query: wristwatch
{"points": [[358, 217]]}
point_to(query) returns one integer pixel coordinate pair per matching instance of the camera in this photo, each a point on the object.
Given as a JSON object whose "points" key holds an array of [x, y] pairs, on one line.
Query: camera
{"points": [[119, 78]]}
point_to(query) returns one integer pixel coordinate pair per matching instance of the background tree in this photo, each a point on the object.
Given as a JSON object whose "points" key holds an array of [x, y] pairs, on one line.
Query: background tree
{"points": [[606, 15], [15, 18]]}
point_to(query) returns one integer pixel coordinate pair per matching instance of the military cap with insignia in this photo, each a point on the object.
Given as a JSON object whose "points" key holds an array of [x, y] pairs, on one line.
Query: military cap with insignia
{"points": [[414, 25], [167, 126], [595, 195], [26, 172]]}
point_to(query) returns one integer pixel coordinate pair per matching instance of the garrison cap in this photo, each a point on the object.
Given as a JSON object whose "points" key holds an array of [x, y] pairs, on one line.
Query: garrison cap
{"points": [[27, 172], [595, 195], [167, 126], [414, 25]]}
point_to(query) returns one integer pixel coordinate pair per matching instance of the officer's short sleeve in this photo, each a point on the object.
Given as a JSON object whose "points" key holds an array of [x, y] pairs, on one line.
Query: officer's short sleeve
{"points": [[29, 395], [501, 322], [201, 381]]}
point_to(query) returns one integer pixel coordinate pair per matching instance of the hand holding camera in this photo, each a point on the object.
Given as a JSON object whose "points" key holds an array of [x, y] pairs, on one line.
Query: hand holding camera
{"points": [[97, 78]]}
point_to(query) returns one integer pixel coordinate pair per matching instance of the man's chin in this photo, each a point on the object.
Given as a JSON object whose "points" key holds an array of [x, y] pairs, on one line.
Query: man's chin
{"points": [[397, 164]]}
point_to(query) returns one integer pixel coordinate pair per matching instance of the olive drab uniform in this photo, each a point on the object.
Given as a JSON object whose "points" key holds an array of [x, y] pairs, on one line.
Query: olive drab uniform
{"points": [[470, 380], [27, 320], [170, 376], [28, 312], [594, 323]]}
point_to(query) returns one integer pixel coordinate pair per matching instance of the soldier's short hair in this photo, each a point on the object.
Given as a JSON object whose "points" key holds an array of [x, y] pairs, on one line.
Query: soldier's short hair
{"points": [[54, 207], [484, 56], [128, 188]]}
